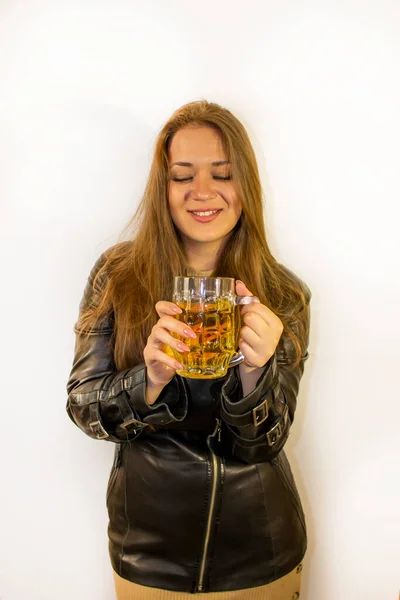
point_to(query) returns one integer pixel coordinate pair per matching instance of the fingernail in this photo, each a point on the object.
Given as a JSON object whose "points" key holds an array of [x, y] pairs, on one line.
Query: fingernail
{"points": [[178, 366], [189, 333], [183, 347], [176, 309]]}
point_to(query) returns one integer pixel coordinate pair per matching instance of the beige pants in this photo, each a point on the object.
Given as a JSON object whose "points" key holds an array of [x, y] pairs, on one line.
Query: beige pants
{"points": [[285, 588]]}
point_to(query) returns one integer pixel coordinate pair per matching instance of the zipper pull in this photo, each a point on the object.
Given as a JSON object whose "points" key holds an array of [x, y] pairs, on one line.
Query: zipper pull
{"points": [[216, 432], [219, 429]]}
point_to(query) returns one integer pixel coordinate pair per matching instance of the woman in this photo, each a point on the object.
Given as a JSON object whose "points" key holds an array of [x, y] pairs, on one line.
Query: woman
{"points": [[195, 508]]}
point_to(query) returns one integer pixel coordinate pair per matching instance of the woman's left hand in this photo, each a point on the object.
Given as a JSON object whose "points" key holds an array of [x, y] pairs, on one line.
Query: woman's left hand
{"points": [[261, 330]]}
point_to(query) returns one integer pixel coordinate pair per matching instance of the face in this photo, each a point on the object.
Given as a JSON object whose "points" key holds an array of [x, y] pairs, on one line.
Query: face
{"points": [[203, 201]]}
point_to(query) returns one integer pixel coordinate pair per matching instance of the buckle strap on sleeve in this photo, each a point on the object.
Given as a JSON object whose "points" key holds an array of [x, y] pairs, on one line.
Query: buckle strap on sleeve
{"points": [[130, 422], [272, 435], [96, 425], [256, 416], [137, 425], [276, 431]]}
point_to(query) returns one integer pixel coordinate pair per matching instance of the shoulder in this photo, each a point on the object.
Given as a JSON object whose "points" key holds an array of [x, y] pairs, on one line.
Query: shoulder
{"points": [[115, 251], [99, 279], [100, 274], [297, 281], [107, 257]]}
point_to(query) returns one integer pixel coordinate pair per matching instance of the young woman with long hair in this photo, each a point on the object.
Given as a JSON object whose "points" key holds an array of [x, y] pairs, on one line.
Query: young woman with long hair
{"points": [[201, 498]]}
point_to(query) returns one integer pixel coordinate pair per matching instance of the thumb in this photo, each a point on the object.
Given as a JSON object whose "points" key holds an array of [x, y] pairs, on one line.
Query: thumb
{"points": [[241, 289]]}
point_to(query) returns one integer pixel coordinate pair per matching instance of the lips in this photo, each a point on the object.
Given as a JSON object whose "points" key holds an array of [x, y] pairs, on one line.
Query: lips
{"points": [[202, 210], [205, 216]]}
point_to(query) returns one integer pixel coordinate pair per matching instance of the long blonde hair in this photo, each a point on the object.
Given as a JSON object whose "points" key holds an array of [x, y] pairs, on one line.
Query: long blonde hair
{"points": [[139, 272]]}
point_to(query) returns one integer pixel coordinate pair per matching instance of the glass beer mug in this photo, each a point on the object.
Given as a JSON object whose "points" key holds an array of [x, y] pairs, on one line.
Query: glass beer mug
{"points": [[208, 307]]}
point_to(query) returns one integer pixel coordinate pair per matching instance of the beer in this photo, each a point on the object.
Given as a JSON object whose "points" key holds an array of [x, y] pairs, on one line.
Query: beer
{"points": [[214, 326], [208, 307]]}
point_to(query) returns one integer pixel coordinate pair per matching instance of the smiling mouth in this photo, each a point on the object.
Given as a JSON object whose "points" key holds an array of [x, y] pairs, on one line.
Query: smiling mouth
{"points": [[205, 213]]}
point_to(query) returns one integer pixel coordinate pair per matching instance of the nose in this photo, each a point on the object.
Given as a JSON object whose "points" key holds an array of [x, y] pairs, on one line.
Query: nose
{"points": [[202, 189]]}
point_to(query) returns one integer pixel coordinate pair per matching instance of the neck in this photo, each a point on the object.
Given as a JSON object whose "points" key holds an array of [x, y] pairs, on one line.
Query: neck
{"points": [[203, 256]]}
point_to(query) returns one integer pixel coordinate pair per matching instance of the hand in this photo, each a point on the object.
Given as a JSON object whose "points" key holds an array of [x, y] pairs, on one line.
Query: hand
{"points": [[161, 367], [261, 331]]}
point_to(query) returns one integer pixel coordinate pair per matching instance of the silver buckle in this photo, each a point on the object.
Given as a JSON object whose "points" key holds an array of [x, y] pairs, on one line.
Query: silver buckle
{"points": [[138, 424], [260, 413], [275, 432], [98, 430]]}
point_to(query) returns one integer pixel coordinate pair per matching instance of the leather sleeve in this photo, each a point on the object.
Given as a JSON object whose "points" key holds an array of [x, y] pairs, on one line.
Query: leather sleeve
{"points": [[107, 403], [259, 423]]}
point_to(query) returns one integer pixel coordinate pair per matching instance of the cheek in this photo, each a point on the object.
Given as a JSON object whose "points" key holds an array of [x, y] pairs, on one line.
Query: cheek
{"points": [[237, 207], [175, 197], [175, 211], [172, 202], [235, 202]]}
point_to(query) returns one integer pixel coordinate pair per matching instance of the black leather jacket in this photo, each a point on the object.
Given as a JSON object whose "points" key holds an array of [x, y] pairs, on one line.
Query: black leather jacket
{"points": [[201, 497]]}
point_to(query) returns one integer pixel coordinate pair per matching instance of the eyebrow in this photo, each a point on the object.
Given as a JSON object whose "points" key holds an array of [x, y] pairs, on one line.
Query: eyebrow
{"points": [[214, 164]]}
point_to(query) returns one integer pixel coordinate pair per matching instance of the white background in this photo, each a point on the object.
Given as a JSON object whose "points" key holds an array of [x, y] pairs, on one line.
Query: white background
{"points": [[84, 89]]}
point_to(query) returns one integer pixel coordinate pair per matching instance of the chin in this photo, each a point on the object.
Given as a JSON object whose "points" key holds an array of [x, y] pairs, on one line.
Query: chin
{"points": [[207, 238]]}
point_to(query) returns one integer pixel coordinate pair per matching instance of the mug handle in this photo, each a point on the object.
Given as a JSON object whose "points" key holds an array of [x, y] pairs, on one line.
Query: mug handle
{"points": [[238, 357]]}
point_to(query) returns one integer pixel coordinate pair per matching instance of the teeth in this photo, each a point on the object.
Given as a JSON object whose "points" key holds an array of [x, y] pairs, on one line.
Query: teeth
{"points": [[206, 213]]}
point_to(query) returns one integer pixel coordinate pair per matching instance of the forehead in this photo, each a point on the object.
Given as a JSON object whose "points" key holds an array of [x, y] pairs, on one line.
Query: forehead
{"points": [[196, 145]]}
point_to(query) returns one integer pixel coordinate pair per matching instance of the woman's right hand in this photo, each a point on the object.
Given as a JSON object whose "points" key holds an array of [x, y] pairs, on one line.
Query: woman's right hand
{"points": [[161, 367]]}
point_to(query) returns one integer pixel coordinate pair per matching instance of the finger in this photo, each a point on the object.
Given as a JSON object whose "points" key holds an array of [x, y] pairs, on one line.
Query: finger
{"points": [[152, 354], [251, 357], [263, 311], [167, 308], [260, 348], [171, 324], [257, 323], [251, 337], [160, 336]]}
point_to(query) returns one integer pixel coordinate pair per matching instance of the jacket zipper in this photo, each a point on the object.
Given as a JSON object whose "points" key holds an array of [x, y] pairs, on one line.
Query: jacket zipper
{"points": [[215, 462]]}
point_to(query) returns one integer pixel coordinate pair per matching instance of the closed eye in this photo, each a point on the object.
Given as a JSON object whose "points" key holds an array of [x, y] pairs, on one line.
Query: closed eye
{"points": [[215, 177]]}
